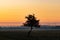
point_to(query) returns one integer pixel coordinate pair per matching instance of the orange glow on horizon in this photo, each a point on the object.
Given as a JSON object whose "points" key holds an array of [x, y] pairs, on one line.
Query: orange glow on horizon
{"points": [[16, 10]]}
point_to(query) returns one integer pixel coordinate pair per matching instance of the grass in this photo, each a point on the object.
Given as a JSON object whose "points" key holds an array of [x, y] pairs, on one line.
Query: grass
{"points": [[35, 35]]}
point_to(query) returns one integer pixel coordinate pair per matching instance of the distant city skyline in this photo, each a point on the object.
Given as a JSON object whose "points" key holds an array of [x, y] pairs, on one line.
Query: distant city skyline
{"points": [[47, 11]]}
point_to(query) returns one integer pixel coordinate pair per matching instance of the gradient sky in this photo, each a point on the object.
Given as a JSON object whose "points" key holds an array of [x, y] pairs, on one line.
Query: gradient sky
{"points": [[16, 10]]}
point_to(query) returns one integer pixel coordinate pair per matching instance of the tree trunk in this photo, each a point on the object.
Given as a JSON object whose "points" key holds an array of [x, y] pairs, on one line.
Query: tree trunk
{"points": [[29, 32]]}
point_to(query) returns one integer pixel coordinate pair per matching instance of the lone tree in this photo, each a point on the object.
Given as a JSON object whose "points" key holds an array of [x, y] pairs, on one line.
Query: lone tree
{"points": [[31, 22]]}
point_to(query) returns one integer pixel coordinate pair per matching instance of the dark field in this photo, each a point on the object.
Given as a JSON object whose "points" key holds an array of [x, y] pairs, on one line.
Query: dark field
{"points": [[35, 35]]}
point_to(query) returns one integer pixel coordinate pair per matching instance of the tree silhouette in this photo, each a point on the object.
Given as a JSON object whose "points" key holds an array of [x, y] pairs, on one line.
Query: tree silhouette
{"points": [[31, 22]]}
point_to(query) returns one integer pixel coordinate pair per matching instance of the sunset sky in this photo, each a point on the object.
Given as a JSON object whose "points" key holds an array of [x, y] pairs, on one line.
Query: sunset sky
{"points": [[16, 10]]}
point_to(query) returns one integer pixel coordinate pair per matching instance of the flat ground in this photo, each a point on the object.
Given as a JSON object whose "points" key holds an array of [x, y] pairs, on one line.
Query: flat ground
{"points": [[35, 35]]}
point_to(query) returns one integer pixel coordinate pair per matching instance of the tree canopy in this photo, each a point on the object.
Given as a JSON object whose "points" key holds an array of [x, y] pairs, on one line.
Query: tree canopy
{"points": [[31, 21]]}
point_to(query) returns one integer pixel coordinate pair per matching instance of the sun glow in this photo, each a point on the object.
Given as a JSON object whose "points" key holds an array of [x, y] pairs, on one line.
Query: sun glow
{"points": [[16, 10]]}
